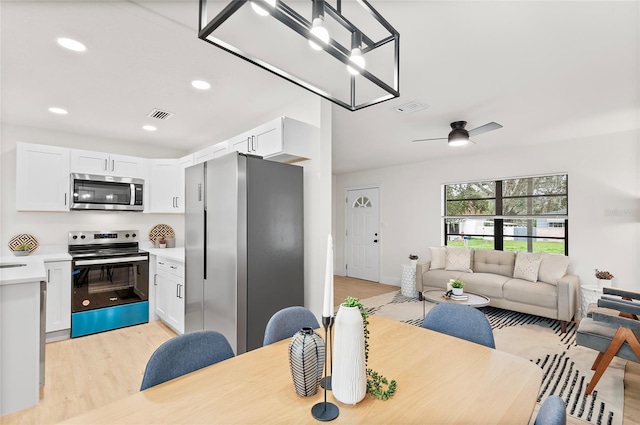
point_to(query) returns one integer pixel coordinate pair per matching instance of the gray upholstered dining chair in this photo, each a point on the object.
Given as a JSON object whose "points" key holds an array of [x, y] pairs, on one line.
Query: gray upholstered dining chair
{"points": [[610, 334], [184, 354], [552, 412], [286, 322], [460, 321]]}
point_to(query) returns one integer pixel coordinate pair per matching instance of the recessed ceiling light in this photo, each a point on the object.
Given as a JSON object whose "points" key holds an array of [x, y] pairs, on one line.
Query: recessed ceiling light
{"points": [[59, 111], [71, 44], [201, 85], [149, 128]]}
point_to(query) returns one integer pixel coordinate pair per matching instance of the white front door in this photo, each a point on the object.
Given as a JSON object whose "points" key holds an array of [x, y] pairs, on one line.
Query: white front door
{"points": [[363, 230]]}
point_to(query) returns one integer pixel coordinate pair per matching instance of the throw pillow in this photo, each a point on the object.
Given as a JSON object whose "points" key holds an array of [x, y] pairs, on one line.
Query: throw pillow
{"points": [[553, 267], [527, 265], [458, 259], [438, 257]]}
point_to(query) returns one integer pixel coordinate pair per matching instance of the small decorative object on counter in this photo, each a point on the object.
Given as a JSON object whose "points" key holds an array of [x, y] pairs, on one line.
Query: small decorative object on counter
{"points": [[306, 359], [23, 244], [456, 287], [22, 250], [414, 259], [604, 278], [162, 243]]}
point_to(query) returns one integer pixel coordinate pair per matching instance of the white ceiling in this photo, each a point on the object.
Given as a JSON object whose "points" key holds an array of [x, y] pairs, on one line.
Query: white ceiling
{"points": [[545, 70]]}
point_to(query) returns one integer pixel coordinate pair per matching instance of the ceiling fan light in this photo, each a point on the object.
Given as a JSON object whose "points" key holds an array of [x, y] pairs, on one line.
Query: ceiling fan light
{"points": [[458, 137], [261, 10], [358, 60], [318, 29]]}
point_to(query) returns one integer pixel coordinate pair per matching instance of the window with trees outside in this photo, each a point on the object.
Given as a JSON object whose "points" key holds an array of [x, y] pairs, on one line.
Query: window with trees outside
{"points": [[520, 214]]}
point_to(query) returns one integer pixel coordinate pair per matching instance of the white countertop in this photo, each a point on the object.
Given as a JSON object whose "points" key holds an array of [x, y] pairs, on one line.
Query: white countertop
{"points": [[33, 270], [176, 254]]}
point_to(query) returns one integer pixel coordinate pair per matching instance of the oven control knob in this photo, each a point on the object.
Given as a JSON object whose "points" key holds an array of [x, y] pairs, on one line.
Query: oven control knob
{"points": [[134, 235], [75, 236], [82, 237], [126, 236]]}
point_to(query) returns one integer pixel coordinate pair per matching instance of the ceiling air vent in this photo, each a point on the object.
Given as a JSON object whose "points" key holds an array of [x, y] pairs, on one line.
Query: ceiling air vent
{"points": [[409, 107], [159, 114]]}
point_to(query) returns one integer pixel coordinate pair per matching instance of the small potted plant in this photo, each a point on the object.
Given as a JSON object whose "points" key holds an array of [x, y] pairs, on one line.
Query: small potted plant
{"points": [[162, 242], [22, 250], [456, 287], [414, 259], [604, 278]]}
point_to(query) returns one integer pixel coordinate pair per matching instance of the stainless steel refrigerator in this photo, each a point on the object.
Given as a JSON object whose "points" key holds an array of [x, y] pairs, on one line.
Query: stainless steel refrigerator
{"points": [[243, 245]]}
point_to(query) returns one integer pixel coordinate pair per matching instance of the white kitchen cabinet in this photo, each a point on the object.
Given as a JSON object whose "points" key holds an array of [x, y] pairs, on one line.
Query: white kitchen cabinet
{"points": [[283, 139], [42, 177], [169, 290], [105, 164], [211, 152], [58, 313], [165, 186]]}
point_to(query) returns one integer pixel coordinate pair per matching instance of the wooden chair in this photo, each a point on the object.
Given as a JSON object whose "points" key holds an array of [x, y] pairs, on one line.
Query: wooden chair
{"points": [[611, 335]]}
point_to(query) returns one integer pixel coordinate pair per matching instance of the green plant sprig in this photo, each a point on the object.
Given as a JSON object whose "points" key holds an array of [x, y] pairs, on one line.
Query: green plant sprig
{"points": [[375, 381]]}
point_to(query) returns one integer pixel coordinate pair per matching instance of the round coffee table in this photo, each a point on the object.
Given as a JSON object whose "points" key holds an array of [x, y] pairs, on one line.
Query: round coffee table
{"points": [[437, 296]]}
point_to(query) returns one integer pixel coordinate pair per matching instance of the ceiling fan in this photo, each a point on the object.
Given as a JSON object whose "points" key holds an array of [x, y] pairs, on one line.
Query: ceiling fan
{"points": [[460, 136]]}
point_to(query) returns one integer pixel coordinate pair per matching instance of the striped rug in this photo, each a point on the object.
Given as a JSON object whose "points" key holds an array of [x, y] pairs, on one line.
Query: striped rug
{"points": [[566, 366]]}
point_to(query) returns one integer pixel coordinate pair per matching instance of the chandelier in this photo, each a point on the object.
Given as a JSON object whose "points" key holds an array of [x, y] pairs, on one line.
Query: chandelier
{"points": [[344, 51]]}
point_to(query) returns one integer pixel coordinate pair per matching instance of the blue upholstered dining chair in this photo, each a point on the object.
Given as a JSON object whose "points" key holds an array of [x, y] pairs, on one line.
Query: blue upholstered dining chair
{"points": [[184, 354], [552, 412], [460, 321], [286, 322]]}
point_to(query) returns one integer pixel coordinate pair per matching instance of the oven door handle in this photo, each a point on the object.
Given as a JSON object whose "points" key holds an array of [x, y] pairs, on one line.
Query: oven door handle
{"points": [[110, 261]]}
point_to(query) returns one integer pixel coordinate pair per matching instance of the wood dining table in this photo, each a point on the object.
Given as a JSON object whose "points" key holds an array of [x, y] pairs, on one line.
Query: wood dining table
{"points": [[440, 380]]}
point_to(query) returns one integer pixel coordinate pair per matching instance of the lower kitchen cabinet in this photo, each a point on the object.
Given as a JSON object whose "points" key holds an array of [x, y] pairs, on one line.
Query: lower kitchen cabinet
{"points": [[58, 312], [169, 292]]}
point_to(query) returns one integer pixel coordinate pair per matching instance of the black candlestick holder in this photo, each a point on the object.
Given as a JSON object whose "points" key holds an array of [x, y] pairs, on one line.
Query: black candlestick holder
{"points": [[326, 381], [325, 411]]}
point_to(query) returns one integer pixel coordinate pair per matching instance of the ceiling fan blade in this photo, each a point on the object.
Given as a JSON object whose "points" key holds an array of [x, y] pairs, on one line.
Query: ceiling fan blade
{"points": [[484, 128], [428, 140]]}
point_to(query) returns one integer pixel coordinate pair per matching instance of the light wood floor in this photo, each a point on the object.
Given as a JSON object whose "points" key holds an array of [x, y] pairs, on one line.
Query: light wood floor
{"points": [[84, 373]]}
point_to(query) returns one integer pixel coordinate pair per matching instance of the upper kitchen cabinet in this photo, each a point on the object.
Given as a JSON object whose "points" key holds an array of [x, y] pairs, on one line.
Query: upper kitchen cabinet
{"points": [[166, 186], [283, 139], [104, 164], [211, 152], [42, 178]]}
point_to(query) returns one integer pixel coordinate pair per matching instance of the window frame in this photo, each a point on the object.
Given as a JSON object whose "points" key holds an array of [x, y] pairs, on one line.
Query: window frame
{"points": [[498, 218]]}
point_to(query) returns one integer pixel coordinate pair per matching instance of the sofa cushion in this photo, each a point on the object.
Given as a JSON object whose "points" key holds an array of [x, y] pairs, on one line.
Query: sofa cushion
{"points": [[522, 291], [487, 284], [458, 259], [492, 261], [527, 265], [439, 278], [438, 257], [553, 267]]}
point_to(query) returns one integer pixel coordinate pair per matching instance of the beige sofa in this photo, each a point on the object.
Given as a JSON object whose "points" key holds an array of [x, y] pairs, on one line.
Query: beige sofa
{"points": [[542, 288]]}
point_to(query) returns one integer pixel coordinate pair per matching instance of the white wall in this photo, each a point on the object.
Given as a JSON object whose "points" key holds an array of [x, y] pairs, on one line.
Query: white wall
{"points": [[604, 202]]}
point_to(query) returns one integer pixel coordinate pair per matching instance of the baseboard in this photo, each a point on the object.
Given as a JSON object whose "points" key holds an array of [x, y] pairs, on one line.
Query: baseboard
{"points": [[57, 335], [388, 280]]}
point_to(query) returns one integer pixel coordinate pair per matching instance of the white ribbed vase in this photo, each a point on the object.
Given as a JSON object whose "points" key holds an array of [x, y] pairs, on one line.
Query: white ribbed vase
{"points": [[349, 374]]}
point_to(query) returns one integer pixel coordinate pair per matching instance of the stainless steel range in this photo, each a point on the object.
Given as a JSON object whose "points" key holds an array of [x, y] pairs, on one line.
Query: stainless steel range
{"points": [[110, 276]]}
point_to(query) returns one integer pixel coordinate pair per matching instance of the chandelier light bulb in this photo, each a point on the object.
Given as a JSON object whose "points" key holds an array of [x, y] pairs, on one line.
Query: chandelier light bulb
{"points": [[358, 60], [261, 10], [319, 30]]}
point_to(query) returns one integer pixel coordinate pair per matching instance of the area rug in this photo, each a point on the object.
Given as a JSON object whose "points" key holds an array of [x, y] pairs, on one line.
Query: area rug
{"points": [[566, 366]]}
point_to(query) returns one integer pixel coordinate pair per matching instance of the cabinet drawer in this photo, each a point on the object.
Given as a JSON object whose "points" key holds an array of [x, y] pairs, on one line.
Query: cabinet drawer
{"points": [[164, 265]]}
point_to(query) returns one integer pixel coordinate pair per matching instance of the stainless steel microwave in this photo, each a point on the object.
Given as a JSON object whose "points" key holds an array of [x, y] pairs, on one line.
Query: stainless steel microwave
{"points": [[93, 192]]}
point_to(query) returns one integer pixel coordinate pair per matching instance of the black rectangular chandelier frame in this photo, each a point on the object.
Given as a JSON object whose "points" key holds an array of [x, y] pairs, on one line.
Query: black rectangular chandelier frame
{"points": [[301, 25]]}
